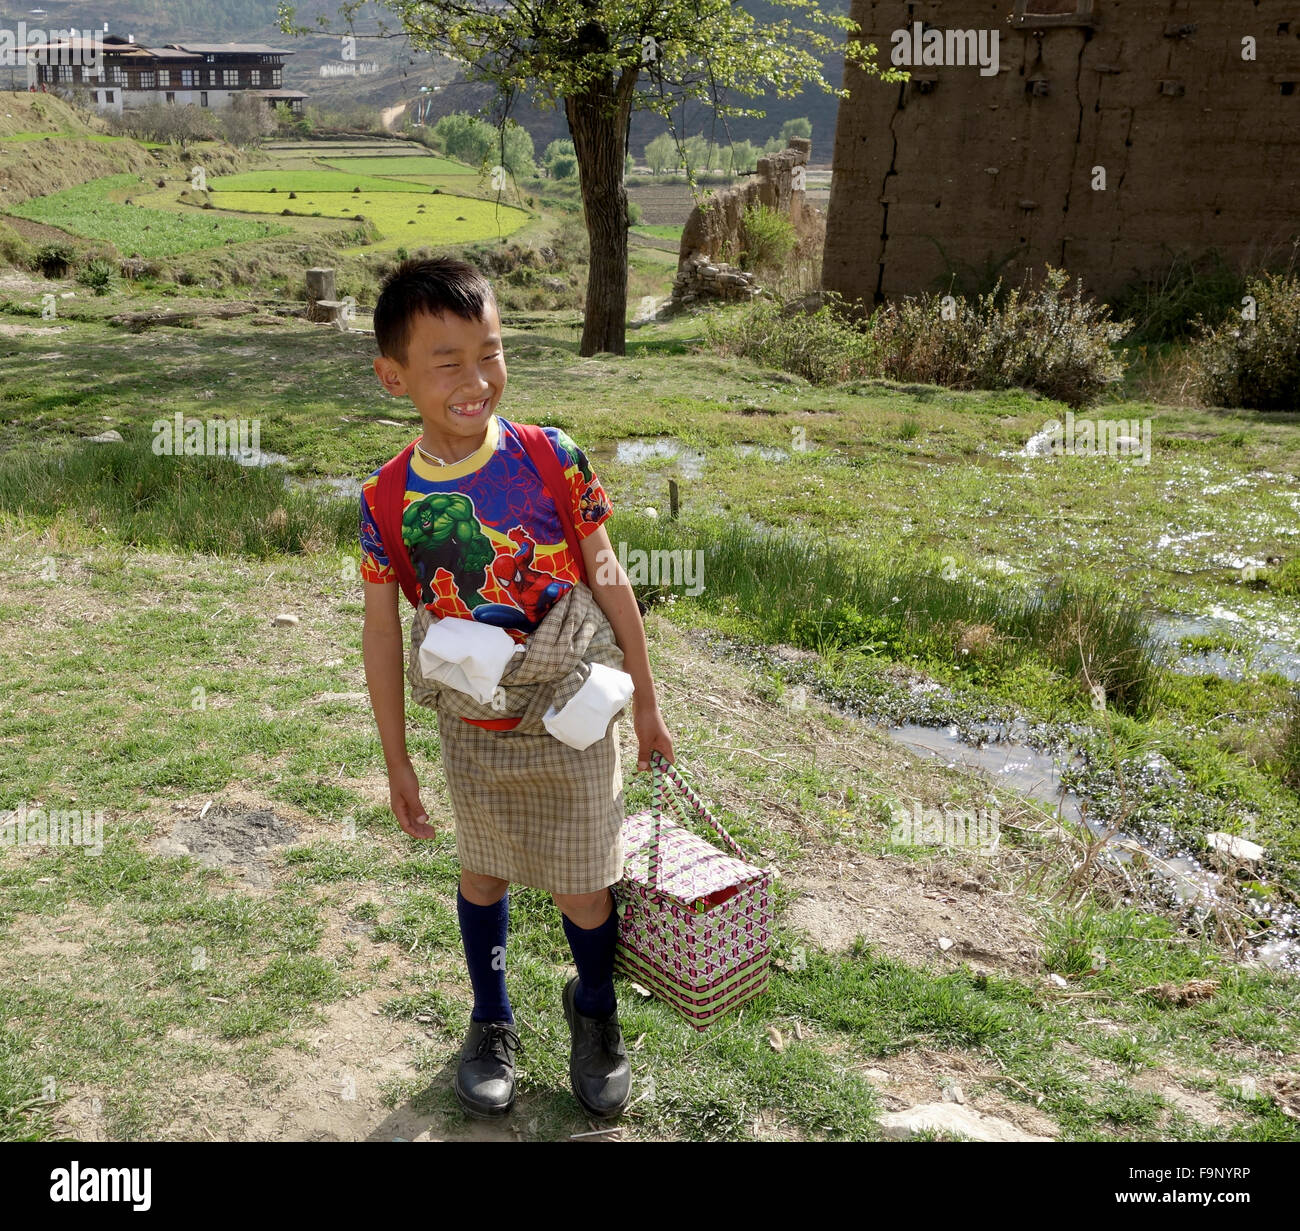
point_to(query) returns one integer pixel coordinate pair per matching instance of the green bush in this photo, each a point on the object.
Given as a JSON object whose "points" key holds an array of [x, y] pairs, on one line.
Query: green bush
{"points": [[1165, 307], [820, 346], [633, 213], [15, 250], [53, 259], [1044, 339], [1254, 364], [767, 238], [98, 275]]}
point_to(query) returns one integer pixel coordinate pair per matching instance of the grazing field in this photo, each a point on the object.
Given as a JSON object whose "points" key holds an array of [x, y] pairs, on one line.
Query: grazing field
{"points": [[307, 181], [401, 164], [87, 211], [403, 218]]}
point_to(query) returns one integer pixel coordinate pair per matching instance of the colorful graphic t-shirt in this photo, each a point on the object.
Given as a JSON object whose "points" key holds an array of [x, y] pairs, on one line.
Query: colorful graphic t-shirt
{"points": [[483, 535]]}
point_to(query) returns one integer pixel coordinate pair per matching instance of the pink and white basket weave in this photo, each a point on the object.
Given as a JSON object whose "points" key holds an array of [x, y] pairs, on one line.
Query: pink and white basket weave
{"points": [[695, 925]]}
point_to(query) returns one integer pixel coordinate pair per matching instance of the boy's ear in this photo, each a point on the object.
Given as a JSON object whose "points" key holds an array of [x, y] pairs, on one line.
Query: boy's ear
{"points": [[389, 376]]}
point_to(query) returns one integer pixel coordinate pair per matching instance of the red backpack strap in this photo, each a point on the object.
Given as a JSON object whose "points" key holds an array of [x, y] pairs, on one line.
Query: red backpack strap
{"points": [[538, 446], [390, 500]]}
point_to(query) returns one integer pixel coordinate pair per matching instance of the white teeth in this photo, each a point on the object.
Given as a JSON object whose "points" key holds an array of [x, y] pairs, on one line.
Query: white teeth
{"points": [[472, 408]]}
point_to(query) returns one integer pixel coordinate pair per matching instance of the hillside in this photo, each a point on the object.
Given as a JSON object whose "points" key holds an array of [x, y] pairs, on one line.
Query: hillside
{"points": [[46, 145], [401, 71]]}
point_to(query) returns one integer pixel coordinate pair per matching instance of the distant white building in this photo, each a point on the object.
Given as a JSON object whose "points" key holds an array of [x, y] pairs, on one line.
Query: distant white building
{"points": [[120, 74]]}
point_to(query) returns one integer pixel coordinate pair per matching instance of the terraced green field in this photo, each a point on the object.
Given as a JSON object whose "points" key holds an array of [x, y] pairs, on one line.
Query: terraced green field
{"points": [[309, 181], [87, 211], [399, 164], [403, 217]]}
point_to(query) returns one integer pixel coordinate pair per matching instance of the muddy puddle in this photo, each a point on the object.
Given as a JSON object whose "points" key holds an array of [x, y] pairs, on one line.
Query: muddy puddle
{"points": [[345, 488], [1000, 753], [1259, 653]]}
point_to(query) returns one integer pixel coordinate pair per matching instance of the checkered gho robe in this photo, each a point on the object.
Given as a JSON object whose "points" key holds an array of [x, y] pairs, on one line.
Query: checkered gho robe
{"points": [[530, 809]]}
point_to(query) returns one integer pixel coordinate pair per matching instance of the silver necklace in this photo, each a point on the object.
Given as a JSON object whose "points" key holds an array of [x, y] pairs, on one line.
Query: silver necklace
{"points": [[433, 457]]}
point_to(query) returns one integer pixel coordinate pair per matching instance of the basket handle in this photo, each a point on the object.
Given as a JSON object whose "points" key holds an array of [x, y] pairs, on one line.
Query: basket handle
{"points": [[684, 802]]}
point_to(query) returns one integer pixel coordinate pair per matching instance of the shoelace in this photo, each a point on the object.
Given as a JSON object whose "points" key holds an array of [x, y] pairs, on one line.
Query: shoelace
{"points": [[608, 1033], [495, 1037]]}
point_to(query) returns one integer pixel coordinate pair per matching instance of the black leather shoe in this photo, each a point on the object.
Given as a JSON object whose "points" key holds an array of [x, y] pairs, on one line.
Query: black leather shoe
{"points": [[485, 1080], [599, 1072]]}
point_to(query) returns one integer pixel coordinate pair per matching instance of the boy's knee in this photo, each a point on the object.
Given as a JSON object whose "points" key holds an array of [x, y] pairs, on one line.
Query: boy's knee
{"points": [[587, 910], [482, 890]]}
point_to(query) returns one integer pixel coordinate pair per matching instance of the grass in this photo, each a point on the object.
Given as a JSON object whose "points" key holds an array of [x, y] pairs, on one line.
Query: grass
{"points": [[409, 164], [436, 219], [306, 181], [88, 212]]}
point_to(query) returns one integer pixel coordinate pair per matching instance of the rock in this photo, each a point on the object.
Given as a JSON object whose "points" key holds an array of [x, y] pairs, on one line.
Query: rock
{"points": [[945, 943], [1235, 847], [104, 438], [953, 1094], [951, 1118], [284, 620], [388, 422], [1247, 1087]]}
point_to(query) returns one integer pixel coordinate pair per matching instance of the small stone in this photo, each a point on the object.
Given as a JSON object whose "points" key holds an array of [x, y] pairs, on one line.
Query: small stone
{"points": [[1247, 1087], [284, 620], [950, 1118], [1235, 847], [1058, 980], [953, 1094], [104, 438], [945, 943]]}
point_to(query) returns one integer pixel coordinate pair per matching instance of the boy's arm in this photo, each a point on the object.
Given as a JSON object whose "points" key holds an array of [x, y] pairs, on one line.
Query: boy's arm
{"points": [[614, 595], [382, 652]]}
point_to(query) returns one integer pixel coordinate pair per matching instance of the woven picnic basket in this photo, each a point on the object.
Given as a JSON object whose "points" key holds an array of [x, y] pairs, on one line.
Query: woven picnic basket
{"points": [[695, 924]]}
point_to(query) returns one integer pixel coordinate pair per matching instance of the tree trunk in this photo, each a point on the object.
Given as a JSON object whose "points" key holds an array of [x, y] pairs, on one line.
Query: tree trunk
{"points": [[598, 123]]}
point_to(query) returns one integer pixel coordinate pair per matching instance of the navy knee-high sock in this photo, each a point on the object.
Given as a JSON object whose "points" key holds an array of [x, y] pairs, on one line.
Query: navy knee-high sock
{"points": [[483, 932], [593, 954]]}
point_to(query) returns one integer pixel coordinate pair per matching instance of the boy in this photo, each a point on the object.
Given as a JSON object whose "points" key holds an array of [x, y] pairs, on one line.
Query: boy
{"points": [[486, 542]]}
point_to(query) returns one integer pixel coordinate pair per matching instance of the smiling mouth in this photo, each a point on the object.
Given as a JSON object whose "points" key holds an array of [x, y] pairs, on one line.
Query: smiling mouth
{"points": [[470, 408]]}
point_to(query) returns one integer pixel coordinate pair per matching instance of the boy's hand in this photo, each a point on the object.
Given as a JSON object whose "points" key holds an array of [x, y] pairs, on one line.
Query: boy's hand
{"points": [[651, 735], [404, 797]]}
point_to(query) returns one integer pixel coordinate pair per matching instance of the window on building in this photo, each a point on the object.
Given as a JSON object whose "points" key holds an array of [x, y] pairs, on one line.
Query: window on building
{"points": [[189, 77], [148, 79], [110, 96], [171, 98], [119, 77], [230, 76], [255, 74], [164, 77], [277, 76], [212, 76], [1037, 14], [203, 99], [65, 72]]}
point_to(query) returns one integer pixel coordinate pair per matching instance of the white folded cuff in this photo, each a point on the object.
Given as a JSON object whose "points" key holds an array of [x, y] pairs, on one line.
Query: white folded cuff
{"points": [[467, 656], [586, 717]]}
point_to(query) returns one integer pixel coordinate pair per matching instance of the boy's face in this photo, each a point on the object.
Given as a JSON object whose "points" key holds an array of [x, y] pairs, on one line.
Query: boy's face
{"points": [[454, 374]]}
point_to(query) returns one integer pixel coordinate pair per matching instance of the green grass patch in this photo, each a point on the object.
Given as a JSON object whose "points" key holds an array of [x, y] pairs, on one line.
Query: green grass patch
{"points": [[397, 215], [414, 164], [306, 181], [86, 211]]}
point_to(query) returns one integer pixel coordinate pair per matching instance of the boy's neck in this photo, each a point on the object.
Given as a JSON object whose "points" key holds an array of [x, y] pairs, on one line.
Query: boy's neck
{"points": [[451, 450]]}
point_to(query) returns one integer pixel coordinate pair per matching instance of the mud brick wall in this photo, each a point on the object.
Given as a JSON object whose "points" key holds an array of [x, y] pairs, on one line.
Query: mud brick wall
{"points": [[713, 235], [959, 171]]}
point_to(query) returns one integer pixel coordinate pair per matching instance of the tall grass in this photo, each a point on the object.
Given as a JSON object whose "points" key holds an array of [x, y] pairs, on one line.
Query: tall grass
{"points": [[202, 504], [1289, 746], [815, 593]]}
